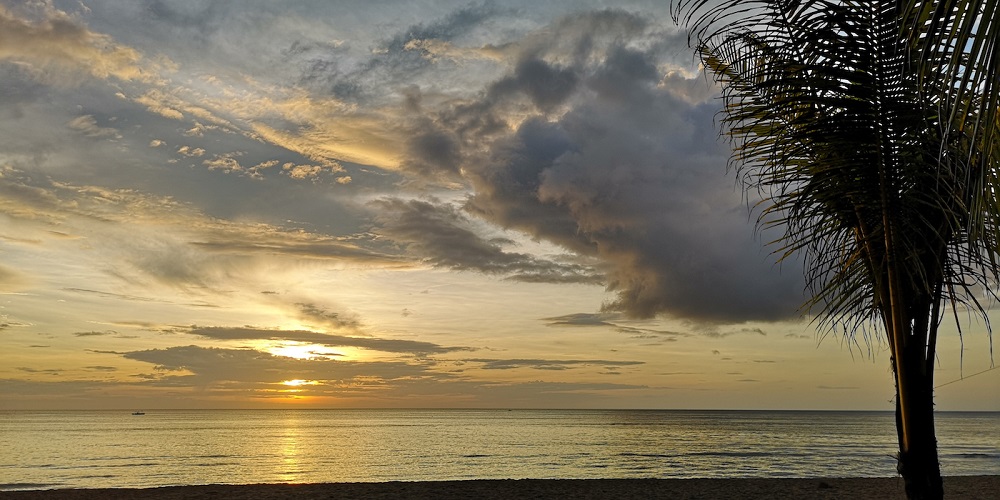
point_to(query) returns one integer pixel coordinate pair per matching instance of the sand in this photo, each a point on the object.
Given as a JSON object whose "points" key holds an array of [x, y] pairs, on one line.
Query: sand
{"points": [[964, 487]]}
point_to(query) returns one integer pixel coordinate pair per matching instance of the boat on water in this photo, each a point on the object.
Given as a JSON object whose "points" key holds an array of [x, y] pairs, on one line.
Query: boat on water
{"points": [[139, 413]]}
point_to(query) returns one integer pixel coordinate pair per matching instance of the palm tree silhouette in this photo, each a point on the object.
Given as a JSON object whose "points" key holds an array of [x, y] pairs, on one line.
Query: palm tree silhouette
{"points": [[870, 131]]}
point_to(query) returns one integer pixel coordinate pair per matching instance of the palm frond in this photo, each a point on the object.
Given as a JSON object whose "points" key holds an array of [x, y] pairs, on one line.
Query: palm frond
{"points": [[863, 152]]}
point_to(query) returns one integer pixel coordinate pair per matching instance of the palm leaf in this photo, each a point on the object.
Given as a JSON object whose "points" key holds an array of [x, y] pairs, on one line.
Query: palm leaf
{"points": [[830, 125]]}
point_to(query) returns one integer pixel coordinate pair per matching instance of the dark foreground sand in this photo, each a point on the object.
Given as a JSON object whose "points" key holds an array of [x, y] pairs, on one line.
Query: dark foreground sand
{"points": [[964, 488]]}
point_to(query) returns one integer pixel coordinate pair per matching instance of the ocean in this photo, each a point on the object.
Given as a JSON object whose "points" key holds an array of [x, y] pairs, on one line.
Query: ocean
{"points": [[99, 449]]}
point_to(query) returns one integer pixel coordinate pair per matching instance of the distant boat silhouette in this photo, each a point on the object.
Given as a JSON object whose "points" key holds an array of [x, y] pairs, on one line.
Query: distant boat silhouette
{"points": [[138, 413]]}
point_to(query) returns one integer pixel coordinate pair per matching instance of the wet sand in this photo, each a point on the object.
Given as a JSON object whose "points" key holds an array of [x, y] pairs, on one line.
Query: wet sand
{"points": [[960, 487]]}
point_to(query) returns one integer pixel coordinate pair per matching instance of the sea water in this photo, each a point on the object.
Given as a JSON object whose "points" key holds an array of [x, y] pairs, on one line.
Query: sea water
{"points": [[95, 449]]}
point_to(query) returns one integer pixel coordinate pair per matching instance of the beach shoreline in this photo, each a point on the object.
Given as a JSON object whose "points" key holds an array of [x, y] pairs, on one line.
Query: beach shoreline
{"points": [[956, 487]]}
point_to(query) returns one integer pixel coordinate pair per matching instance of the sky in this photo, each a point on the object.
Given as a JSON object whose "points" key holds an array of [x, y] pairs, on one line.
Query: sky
{"points": [[387, 203]]}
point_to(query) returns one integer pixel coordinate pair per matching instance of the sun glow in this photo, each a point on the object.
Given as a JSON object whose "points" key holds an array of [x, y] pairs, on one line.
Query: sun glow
{"points": [[299, 382], [302, 351]]}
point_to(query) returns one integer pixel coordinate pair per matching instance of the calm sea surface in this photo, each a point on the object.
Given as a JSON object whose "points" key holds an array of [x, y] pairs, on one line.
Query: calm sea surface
{"points": [[84, 449]]}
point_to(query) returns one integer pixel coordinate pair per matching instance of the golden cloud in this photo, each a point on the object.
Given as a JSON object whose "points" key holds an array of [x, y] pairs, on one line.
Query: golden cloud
{"points": [[59, 47]]}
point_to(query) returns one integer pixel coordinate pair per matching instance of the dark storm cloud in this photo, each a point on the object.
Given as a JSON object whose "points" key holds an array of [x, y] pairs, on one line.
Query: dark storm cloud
{"points": [[629, 170], [442, 236], [374, 344], [433, 152], [546, 85]]}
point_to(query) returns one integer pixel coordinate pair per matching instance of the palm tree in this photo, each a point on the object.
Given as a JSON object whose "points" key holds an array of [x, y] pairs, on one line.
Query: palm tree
{"points": [[870, 131]]}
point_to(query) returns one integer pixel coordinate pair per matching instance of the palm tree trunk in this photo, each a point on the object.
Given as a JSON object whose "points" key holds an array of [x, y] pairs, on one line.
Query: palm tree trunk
{"points": [[918, 462], [918, 458], [904, 307]]}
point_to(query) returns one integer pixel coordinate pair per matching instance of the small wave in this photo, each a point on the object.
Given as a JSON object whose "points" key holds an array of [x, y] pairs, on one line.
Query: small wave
{"points": [[27, 486], [639, 467], [973, 455], [736, 454]]}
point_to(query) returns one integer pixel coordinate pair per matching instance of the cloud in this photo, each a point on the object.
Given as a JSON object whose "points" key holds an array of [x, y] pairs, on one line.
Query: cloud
{"points": [[548, 364], [226, 163], [88, 126], [715, 332], [799, 336], [144, 239], [217, 373], [47, 371], [606, 319], [200, 366], [583, 144], [442, 236], [56, 45], [581, 319], [190, 152], [546, 85], [119, 296], [313, 314], [94, 334], [223, 377], [101, 368], [384, 345], [403, 57]]}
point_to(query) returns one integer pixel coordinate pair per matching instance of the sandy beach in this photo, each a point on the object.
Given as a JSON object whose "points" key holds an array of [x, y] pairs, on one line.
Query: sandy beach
{"points": [[963, 487]]}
